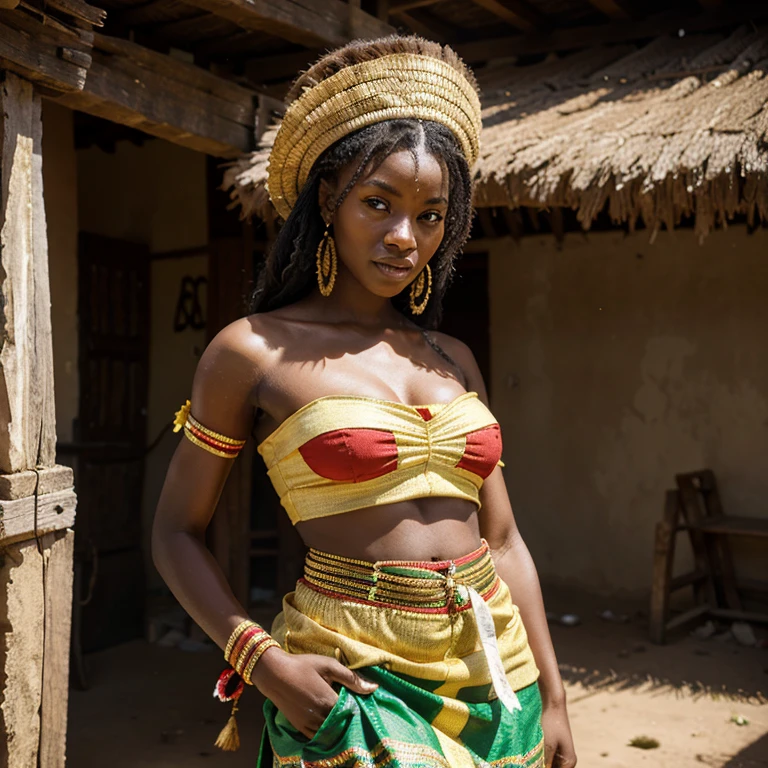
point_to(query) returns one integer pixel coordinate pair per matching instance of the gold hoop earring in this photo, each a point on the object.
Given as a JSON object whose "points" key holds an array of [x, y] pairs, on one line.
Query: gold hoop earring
{"points": [[327, 264], [421, 286]]}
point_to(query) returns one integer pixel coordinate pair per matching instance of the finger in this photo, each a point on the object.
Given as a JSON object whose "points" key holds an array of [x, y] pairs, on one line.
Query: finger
{"points": [[549, 751], [348, 678]]}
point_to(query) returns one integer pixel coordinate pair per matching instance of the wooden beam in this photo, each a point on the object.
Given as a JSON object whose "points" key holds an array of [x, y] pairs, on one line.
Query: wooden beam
{"points": [[35, 573], [38, 50], [21, 519], [77, 9], [428, 27], [307, 22], [279, 66], [146, 13], [27, 415], [168, 98], [403, 6], [181, 71], [514, 12], [611, 8], [605, 34], [58, 555], [22, 642], [47, 480]]}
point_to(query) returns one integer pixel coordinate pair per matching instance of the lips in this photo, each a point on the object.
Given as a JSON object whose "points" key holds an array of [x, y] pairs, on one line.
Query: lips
{"points": [[394, 271]]}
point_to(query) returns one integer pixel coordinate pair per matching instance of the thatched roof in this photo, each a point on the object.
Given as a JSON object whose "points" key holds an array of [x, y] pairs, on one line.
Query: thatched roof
{"points": [[673, 128]]}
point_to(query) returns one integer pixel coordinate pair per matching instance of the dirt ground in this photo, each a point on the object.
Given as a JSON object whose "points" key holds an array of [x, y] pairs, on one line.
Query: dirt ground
{"points": [[151, 706]]}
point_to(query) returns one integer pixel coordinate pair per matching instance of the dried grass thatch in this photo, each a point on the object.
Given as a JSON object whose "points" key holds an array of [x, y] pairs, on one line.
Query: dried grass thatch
{"points": [[675, 128]]}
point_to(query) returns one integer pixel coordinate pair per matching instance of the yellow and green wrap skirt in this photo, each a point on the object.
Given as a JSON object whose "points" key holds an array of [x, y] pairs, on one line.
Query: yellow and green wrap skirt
{"points": [[457, 682]]}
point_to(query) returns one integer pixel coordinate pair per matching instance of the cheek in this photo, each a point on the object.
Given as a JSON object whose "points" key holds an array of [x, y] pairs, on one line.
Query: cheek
{"points": [[430, 240], [354, 231]]}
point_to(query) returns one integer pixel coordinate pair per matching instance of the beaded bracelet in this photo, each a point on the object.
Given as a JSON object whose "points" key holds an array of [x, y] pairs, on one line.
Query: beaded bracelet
{"points": [[207, 439], [246, 645]]}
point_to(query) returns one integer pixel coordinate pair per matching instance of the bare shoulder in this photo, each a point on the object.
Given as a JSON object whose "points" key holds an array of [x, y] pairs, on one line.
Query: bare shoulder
{"points": [[464, 358], [240, 348], [225, 391]]}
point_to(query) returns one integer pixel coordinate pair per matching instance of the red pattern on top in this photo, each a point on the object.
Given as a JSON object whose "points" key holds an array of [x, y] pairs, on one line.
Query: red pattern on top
{"points": [[483, 451], [355, 455], [351, 455]]}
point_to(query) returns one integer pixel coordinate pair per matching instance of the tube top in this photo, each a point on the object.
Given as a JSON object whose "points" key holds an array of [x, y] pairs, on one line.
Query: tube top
{"points": [[342, 452]]}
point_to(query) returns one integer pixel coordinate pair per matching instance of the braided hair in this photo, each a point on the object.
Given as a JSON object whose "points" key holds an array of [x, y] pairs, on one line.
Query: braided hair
{"points": [[289, 273]]}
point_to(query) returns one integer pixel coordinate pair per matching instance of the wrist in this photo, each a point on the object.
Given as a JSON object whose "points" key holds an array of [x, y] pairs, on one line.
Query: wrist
{"points": [[552, 695], [267, 667], [245, 647]]}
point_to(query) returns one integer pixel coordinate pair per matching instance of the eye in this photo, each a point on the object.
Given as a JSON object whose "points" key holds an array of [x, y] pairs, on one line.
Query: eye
{"points": [[376, 203], [434, 217]]}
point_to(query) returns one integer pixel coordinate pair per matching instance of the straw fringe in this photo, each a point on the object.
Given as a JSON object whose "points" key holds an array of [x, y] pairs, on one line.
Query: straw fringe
{"points": [[677, 128]]}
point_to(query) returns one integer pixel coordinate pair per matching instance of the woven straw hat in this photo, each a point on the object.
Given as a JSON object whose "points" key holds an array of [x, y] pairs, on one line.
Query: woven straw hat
{"points": [[398, 85]]}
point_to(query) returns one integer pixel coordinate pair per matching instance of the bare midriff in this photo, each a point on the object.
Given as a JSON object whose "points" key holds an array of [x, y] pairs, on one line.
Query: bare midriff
{"points": [[422, 529]]}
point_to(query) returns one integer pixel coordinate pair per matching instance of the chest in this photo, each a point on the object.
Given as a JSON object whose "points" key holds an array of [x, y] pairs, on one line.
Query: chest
{"points": [[405, 373]]}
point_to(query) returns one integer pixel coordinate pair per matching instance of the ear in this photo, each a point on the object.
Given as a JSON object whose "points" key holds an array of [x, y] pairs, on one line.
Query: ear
{"points": [[326, 199]]}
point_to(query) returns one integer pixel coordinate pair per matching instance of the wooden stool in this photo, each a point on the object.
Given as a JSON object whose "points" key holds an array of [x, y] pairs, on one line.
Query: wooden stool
{"points": [[695, 507]]}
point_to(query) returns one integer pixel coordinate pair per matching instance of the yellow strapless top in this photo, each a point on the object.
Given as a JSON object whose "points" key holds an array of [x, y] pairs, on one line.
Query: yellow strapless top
{"points": [[341, 452]]}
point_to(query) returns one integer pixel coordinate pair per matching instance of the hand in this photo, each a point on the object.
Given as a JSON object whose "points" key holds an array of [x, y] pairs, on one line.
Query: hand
{"points": [[558, 741], [300, 686]]}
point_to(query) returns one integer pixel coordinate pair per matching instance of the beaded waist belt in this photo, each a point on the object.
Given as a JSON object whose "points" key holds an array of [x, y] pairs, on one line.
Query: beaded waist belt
{"points": [[429, 587], [442, 587]]}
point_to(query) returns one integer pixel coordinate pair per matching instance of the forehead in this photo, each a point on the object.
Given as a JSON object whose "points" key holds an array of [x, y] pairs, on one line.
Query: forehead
{"points": [[408, 168]]}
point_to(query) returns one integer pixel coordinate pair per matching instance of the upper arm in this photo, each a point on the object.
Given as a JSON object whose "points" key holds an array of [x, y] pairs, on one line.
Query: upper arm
{"points": [[497, 521], [223, 399]]}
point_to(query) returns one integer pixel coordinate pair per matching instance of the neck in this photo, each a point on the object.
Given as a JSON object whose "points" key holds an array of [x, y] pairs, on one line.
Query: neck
{"points": [[349, 302]]}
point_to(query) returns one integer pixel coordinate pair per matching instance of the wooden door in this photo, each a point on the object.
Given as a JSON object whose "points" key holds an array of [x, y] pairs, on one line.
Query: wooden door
{"points": [[110, 437]]}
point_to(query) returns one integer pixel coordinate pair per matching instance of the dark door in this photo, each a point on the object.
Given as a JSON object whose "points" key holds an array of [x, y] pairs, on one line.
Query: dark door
{"points": [[466, 310], [110, 437]]}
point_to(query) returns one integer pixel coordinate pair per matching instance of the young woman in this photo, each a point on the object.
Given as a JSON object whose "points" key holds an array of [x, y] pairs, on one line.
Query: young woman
{"points": [[417, 636]]}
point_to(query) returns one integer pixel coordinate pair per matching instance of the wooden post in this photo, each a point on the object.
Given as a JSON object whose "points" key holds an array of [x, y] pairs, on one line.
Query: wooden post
{"points": [[37, 501]]}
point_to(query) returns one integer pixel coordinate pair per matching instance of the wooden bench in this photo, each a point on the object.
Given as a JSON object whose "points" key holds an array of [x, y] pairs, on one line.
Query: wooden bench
{"points": [[695, 508]]}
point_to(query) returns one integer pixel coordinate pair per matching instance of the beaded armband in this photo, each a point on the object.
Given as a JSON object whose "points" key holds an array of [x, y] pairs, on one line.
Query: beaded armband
{"points": [[208, 440]]}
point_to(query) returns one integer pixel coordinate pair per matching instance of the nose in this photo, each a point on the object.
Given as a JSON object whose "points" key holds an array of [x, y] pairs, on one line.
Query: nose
{"points": [[401, 237]]}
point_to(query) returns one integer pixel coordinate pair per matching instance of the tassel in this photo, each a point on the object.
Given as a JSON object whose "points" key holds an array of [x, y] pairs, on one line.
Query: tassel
{"points": [[229, 687], [229, 738]]}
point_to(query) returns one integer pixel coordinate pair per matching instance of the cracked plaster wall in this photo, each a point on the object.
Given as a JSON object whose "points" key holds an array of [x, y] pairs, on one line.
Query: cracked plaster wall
{"points": [[616, 364]]}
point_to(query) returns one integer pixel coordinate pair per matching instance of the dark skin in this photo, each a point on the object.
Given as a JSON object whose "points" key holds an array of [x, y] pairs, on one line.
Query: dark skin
{"points": [[352, 342]]}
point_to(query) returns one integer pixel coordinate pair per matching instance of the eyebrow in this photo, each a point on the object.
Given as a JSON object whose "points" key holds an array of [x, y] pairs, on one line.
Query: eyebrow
{"points": [[392, 191]]}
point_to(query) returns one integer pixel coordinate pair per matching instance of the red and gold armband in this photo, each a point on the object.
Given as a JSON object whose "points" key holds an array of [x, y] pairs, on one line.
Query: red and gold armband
{"points": [[246, 645], [207, 439]]}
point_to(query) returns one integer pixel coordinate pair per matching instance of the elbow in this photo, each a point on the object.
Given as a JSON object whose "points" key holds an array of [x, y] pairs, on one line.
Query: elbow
{"points": [[161, 543], [158, 545], [504, 539]]}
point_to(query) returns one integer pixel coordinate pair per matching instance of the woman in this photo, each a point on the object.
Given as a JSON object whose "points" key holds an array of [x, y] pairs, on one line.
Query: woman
{"points": [[401, 645]]}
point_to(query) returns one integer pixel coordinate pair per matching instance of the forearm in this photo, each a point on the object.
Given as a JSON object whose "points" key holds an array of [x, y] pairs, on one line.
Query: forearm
{"points": [[196, 580], [516, 568]]}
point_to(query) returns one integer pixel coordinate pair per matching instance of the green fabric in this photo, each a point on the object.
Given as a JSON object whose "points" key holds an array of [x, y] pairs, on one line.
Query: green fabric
{"points": [[392, 727]]}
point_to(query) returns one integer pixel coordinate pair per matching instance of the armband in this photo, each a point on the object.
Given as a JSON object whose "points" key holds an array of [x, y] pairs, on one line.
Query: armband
{"points": [[208, 440]]}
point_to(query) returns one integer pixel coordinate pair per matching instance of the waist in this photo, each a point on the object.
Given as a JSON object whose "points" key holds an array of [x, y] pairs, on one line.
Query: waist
{"points": [[409, 585]]}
